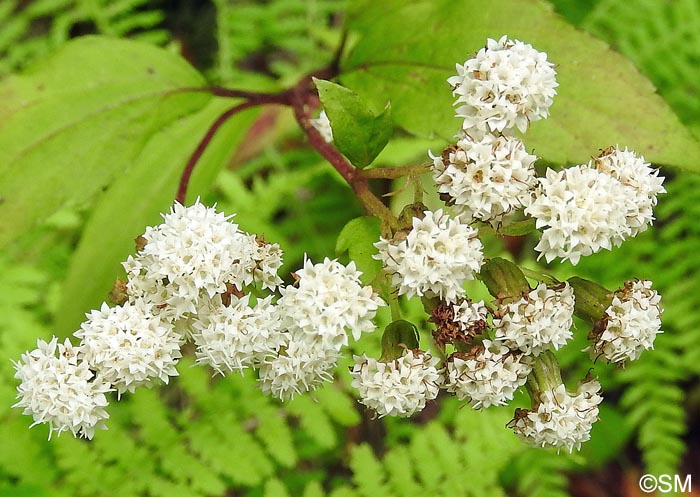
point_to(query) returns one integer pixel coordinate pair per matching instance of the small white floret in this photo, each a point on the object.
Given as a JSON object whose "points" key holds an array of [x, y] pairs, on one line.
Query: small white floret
{"points": [[400, 387], [540, 320], [323, 126], [488, 375], [508, 84], [57, 387], [560, 420], [435, 259]]}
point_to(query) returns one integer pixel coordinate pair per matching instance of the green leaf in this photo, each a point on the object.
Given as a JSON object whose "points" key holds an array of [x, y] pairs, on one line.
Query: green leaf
{"points": [[503, 278], [79, 119], [603, 100], [357, 239], [398, 336], [136, 200], [357, 132]]}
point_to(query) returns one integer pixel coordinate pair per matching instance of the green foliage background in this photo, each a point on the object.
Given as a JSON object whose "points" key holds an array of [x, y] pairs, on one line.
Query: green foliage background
{"points": [[202, 436]]}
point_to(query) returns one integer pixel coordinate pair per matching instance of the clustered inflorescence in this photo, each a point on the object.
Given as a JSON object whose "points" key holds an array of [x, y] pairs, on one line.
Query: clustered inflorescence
{"points": [[198, 278], [488, 177]]}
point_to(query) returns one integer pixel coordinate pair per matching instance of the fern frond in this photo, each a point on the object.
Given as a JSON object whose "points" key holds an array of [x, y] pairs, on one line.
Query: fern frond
{"points": [[125, 18], [541, 473], [274, 433], [399, 471], [33, 29], [368, 473], [653, 398], [440, 458], [291, 36], [654, 404]]}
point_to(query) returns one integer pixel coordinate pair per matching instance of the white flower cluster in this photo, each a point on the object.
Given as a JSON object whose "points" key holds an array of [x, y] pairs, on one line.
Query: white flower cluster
{"points": [[400, 387], [297, 368], [58, 388], [197, 277], [434, 259], [540, 320], [129, 346], [581, 211], [492, 369], [642, 183], [499, 349], [489, 174], [328, 301], [560, 419], [189, 281], [194, 254], [237, 336], [486, 178], [631, 323], [587, 208], [508, 84], [488, 375], [120, 348]]}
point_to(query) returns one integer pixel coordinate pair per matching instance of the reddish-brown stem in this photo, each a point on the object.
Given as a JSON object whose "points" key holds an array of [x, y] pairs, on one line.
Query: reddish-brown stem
{"points": [[328, 151], [248, 95], [259, 97], [252, 99], [298, 97], [357, 182], [202, 146]]}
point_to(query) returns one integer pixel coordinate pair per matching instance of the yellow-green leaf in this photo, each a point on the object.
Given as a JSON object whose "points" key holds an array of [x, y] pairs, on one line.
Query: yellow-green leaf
{"points": [[74, 122]]}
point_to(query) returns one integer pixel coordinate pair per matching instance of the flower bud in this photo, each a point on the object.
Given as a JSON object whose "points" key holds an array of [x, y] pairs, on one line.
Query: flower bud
{"points": [[398, 337], [503, 278], [591, 299]]}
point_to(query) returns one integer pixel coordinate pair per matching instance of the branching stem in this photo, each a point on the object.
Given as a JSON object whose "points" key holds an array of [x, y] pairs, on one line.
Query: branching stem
{"points": [[350, 174], [300, 98], [202, 146]]}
